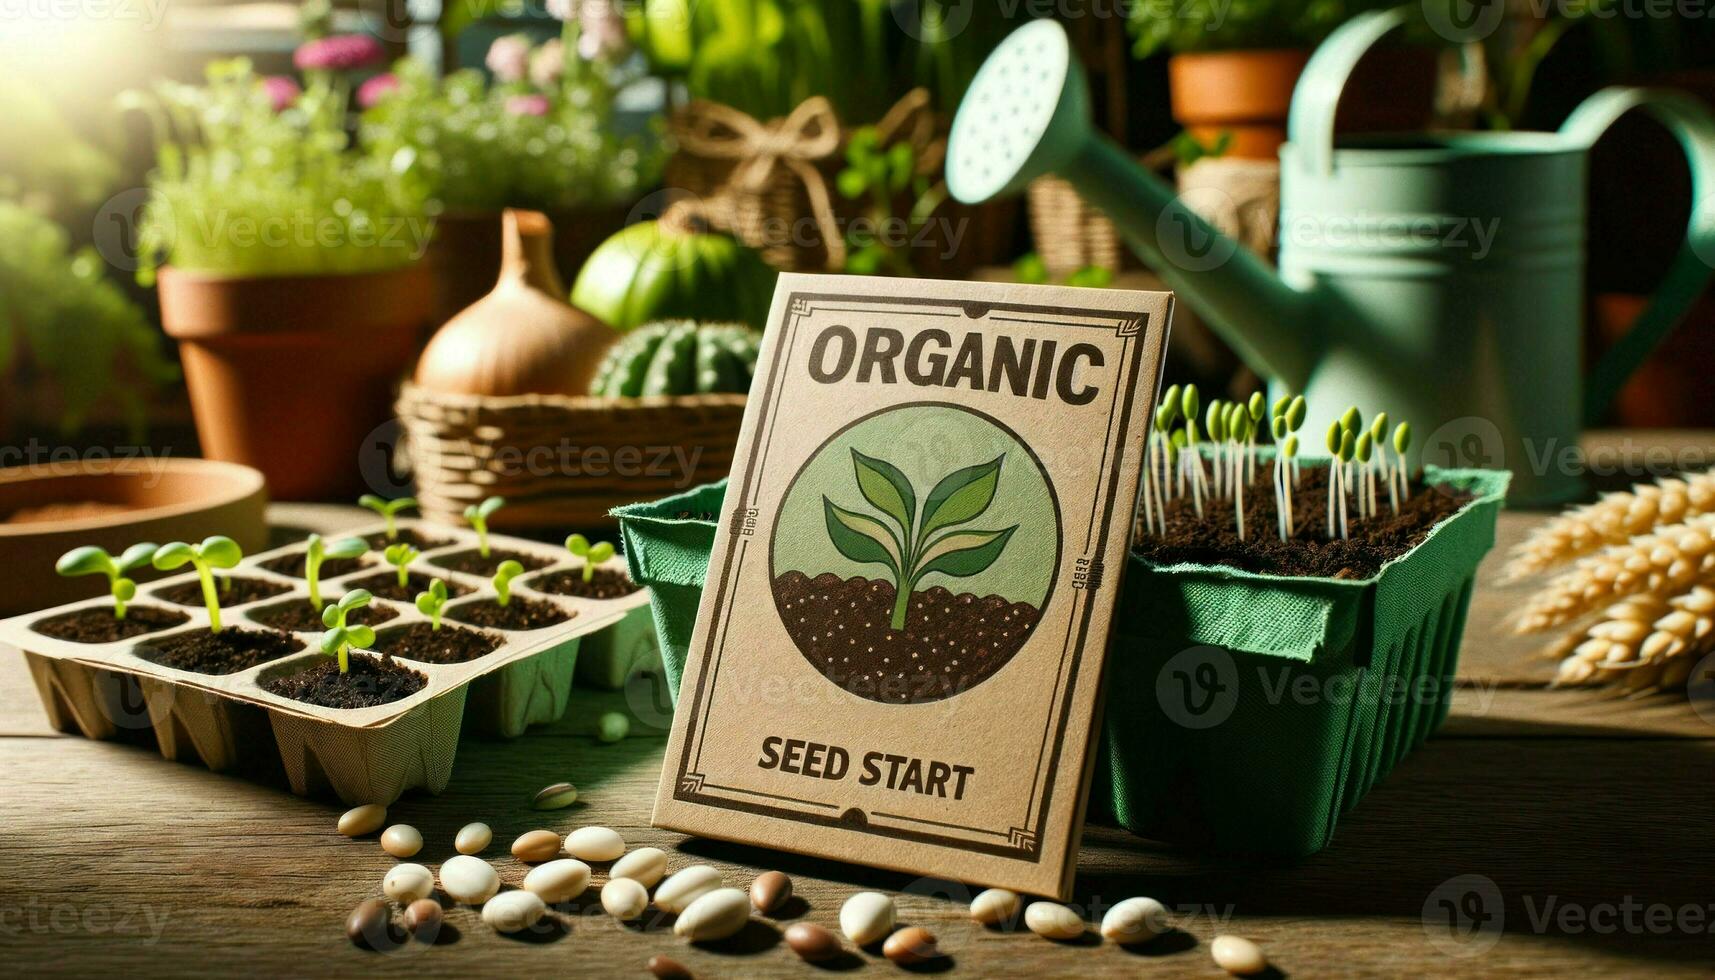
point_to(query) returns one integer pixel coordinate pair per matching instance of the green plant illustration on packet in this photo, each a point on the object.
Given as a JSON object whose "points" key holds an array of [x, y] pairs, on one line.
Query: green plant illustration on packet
{"points": [[914, 553]]}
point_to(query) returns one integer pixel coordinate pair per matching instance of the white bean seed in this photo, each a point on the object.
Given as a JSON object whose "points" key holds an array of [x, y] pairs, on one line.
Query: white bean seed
{"points": [[624, 899], [1238, 955], [513, 911], [867, 917], [469, 879], [401, 840], [1052, 921], [646, 866], [714, 915], [995, 906], [685, 885], [405, 883], [1135, 920], [360, 820], [594, 844], [473, 838], [558, 881]]}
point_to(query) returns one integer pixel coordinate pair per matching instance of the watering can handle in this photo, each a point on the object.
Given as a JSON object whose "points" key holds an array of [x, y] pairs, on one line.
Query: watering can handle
{"points": [[1692, 123], [1316, 99]]}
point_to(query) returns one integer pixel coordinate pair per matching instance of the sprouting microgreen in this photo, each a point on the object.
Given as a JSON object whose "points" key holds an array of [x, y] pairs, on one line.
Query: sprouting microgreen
{"points": [[90, 560], [400, 556], [214, 552], [433, 602], [503, 576], [1352, 420], [388, 509], [477, 516], [318, 551], [592, 554], [342, 636]]}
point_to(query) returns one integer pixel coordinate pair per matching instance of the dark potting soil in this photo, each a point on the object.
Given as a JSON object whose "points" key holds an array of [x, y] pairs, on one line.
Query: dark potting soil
{"points": [[407, 535], [371, 681], [448, 645], [293, 565], [97, 625], [227, 652], [1372, 542], [950, 642], [606, 583], [386, 586], [519, 614], [237, 593], [473, 563], [298, 616]]}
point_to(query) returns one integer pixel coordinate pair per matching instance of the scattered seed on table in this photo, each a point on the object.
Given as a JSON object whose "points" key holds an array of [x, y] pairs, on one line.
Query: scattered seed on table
{"points": [[1052, 921], [536, 846], [646, 866], [668, 968], [770, 890], [1135, 920], [911, 946], [624, 899], [1238, 955], [595, 844], [555, 797], [469, 879], [714, 915], [405, 883], [401, 840], [613, 727], [423, 919], [513, 911], [812, 943], [684, 885], [995, 906], [558, 881], [360, 820], [370, 924], [867, 917], [473, 838]]}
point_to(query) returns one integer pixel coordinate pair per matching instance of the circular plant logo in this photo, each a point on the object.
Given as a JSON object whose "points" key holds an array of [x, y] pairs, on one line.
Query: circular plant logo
{"points": [[914, 552]]}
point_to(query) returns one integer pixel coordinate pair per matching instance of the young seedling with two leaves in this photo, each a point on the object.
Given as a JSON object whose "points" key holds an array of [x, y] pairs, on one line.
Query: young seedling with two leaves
{"points": [[503, 576], [217, 551], [477, 516], [592, 554], [342, 635], [400, 556], [432, 602], [318, 551], [912, 546], [90, 560], [388, 509]]}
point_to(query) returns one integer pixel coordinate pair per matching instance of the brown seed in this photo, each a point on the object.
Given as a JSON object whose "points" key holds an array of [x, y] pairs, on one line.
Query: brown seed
{"points": [[668, 968], [910, 946], [423, 919], [536, 846], [769, 891], [368, 924], [812, 943]]}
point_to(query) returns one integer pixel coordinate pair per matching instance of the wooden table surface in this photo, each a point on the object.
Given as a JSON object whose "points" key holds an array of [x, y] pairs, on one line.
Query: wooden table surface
{"points": [[1587, 819]]}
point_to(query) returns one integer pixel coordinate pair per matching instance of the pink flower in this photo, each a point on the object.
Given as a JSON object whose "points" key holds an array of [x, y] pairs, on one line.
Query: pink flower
{"points": [[281, 91], [341, 52], [527, 105], [375, 89], [509, 57], [601, 31], [548, 63]]}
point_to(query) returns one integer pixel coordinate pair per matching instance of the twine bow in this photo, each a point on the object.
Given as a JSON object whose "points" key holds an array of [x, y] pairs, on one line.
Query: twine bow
{"points": [[810, 134]]}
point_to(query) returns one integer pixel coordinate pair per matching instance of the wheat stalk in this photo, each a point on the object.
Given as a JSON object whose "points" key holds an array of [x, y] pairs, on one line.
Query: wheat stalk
{"points": [[1645, 643], [1613, 519], [1666, 562]]}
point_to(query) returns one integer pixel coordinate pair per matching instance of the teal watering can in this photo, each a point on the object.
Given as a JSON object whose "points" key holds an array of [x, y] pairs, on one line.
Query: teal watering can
{"points": [[1437, 277]]}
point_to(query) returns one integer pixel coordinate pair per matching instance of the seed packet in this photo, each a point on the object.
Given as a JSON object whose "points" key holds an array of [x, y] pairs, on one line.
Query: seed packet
{"points": [[898, 657]]}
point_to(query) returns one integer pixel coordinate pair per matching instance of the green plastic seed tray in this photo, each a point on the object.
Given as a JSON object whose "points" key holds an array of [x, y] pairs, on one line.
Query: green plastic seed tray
{"points": [[1245, 712]]}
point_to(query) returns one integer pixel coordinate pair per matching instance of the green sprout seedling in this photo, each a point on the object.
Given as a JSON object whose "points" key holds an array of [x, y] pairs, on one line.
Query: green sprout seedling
{"points": [[433, 602], [318, 552], [503, 576], [215, 552], [388, 509], [91, 560], [342, 635], [400, 556], [477, 515], [592, 554]]}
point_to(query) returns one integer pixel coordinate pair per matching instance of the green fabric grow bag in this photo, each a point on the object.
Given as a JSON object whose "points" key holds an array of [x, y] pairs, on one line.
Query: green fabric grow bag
{"points": [[1245, 712]]}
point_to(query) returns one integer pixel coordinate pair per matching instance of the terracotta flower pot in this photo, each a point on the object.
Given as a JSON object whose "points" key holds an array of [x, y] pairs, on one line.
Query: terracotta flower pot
{"points": [[290, 374]]}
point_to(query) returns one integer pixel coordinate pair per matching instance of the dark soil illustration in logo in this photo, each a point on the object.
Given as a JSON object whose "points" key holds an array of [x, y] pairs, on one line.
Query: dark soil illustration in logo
{"points": [[914, 554]]}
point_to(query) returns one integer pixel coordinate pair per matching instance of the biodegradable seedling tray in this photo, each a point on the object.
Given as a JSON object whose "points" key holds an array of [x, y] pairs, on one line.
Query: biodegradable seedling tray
{"points": [[362, 755]]}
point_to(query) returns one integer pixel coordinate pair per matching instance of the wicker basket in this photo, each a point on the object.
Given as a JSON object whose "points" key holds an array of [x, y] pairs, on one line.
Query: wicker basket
{"points": [[562, 461], [1069, 234]]}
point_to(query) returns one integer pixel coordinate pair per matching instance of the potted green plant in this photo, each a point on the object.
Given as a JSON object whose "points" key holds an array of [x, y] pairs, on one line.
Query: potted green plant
{"points": [[289, 267]]}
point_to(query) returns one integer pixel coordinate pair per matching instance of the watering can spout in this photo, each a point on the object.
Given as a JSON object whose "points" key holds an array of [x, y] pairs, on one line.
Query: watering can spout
{"points": [[1026, 114]]}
